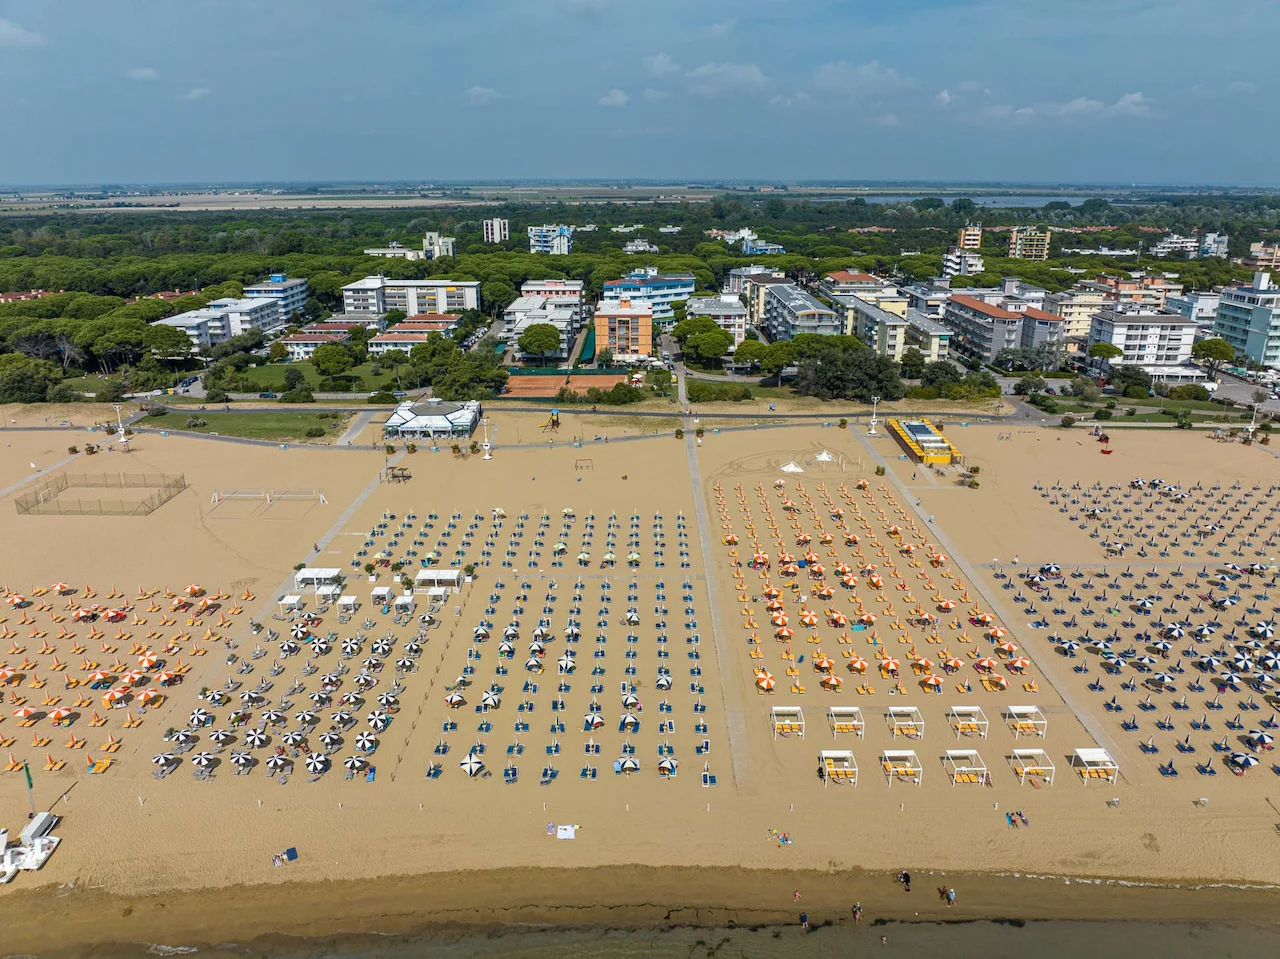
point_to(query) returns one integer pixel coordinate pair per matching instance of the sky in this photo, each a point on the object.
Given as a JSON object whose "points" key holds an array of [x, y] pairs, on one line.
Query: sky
{"points": [[1088, 91]]}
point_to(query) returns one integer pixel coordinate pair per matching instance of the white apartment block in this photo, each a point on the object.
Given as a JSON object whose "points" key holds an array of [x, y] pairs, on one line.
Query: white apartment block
{"points": [[725, 309], [434, 246], [222, 319], [1176, 245], [290, 294], [497, 230], [302, 346], [552, 239], [557, 291], [378, 294], [1147, 337], [1076, 307], [960, 262], [639, 246]]}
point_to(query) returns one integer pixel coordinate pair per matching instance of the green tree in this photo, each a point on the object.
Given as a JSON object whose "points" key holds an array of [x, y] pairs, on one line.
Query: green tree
{"points": [[912, 359], [1106, 351], [1029, 384], [293, 378], [277, 352], [540, 339], [710, 346], [750, 352], [939, 374], [332, 360], [692, 326], [1214, 353], [604, 358], [25, 380], [497, 295], [395, 316], [779, 356]]}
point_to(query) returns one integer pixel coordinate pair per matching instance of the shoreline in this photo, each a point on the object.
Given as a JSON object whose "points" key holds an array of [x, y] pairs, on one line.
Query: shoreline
{"points": [[631, 897]]}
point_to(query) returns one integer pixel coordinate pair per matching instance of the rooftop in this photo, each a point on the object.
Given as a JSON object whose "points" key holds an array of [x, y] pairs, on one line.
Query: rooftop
{"points": [[312, 338], [981, 306], [846, 276], [797, 300], [925, 324]]}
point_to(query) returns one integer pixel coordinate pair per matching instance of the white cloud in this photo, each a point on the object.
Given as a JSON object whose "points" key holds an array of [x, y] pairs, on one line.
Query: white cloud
{"points": [[1131, 105], [1128, 105], [196, 93], [789, 100], [714, 79], [614, 98], [1079, 106], [653, 96], [944, 98], [723, 28], [12, 35], [888, 120], [660, 64], [479, 96], [143, 73], [861, 80]]}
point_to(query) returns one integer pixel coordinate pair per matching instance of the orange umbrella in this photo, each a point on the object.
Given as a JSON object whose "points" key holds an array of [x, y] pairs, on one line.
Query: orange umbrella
{"points": [[844, 569], [24, 712], [997, 632], [785, 632], [791, 569], [779, 619], [804, 538], [786, 558], [946, 605], [82, 614], [999, 680], [933, 681], [895, 530], [773, 605], [867, 568], [809, 617], [890, 664], [765, 680], [832, 681], [857, 664], [731, 539], [909, 547], [60, 587], [772, 592], [826, 539], [955, 662], [1008, 648], [851, 540], [193, 589], [131, 677], [759, 557], [867, 619], [148, 659], [167, 676], [839, 619], [849, 580], [984, 618], [114, 696], [824, 663], [59, 714], [1019, 663], [148, 694], [14, 599], [816, 569], [923, 662], [876, 582], [986, 662], [824, 592]]}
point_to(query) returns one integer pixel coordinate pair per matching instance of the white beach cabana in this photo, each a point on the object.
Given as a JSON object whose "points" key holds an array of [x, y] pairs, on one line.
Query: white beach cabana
{"points": [[381, 596], [328, 592], [845, 719], [434, 578], [902, 764], [905, 721], [1026, 721], [964, 766], [316, 576], [1032, 764], [786, 720], [1094, 762], [838, 765], [290, 603], [348, 602], [405, 603], [968, 721]]}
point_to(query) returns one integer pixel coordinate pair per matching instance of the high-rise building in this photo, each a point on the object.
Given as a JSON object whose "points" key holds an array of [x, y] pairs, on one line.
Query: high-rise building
{"points": [[789, 311], [1248, 318], [1028, 243], [555, 240], [970, 237], [959, 262], [659, 289], [497, 230], [1147, 337], [1214, 244], [1263, 256], [725, 309], [625, 328], [378, 294], [290, 294], [434, 246]]}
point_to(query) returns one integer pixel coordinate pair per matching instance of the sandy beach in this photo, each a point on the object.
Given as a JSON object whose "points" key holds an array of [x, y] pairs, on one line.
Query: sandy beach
{"points": [[141, 853]]}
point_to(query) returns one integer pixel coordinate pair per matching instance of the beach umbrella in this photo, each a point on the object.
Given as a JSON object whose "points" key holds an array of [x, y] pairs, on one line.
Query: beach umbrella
{"points": [[255, 738], [131, 677], [890, 664], [667, 766], [1242, 662], [341, 717], [1242, 760], [1164, 679], [573, 629], [536, 647], [946, 605], [363, 680], [330, 739], [664, 682], [115, 696], [481, 631], [272, 715], [220, 736], [15, 600], [489, 700], [378, 720], [1258, 737], [933, 682], [986, 619], [1210, 662], [584, 557], [1070, 645], [832, 681], [1269, 661], [24, 712], [305, 718], [511, 632], [1174, 631], [472, 764], [99, 676], [592, 721], [355, 763], [277, 761], [183, 736], [1227, 602], [202, 759], [630, 701], [162, 759], [1265, 629], [381, 648], [316, 762], [999, 680], [1007, 647], [455, 700], [387, 699], [299, 630], [289, 648], [566, 663], [413, 649], [1230, 679], [629, 764], [986, 662], [350, 648], [824, 663], [241, 758], [366, 741], [193, 589], [765, 680], [199, 717], [506, 648], [809, 618], [148, 659], [371, 663], [1051, 568], [779, 619], [1019, 663], [1204, 629]]}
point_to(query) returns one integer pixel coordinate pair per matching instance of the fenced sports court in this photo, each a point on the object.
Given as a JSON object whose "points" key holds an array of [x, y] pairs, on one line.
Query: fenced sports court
{"points": [[50, 497]]}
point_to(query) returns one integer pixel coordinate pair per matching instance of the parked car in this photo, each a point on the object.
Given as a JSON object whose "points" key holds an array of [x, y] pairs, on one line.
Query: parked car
{"points": [[266, 395]]}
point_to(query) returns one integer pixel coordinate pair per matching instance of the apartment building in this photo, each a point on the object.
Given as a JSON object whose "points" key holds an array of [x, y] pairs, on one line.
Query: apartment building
{"points": [[395, 252], [378, 294], [434, 246], [754, 247], [847, 305], [1142, 290], [624, 327], [1176, 245], [496, 230], [660, 289], [1028, 243], [219, 320], [1147, 337], [725, 309], [753, 292], [970, 237], [302, 346], [1195, 305], [736, 280], [959, 262], [1248, 317], [929, 298], [290, 294], [1215, 244], [851, 282], [552, 239], [1076, 307], [564, 318], [790, 311], [556, 291], [1263, 256], [639, 246], [930, 337], [979, 329]]}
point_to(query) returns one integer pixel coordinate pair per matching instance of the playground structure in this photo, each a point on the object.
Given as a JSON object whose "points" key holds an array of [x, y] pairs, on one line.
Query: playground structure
{"points": [[47, 499], [552, 423], [267, 496]]}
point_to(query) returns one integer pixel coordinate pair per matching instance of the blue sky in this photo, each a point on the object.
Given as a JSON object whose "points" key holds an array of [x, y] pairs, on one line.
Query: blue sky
{"points": [[134, 91]]}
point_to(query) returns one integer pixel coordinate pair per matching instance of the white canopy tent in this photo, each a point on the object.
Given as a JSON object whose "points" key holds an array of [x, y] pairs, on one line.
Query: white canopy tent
{"points": [[845, 719], [329, 592], [902, 764], [786, 720], [1026, 721], [905, 721], [381, 596], [290, 603], [316, 576], [348, 601], [838, 765], [968, 721], [964, 766], [1032, 764], [405, 602], [1094, 762], [428, 578]]}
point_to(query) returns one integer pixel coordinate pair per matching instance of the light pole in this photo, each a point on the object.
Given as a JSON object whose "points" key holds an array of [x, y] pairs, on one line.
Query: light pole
{"points": [[875, 402], [119, 421], [488, 455]]}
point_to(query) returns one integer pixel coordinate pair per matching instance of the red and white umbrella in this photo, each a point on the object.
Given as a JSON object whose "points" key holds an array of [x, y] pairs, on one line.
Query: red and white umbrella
{"points": [[1019, 663], [809, 617], [867, 619], [824, 663], [24, 712], [779, 619], [923, 662], [149, 694], [60, 588], [933, 682], [772, 592], [59, 714], [773, 605], [193, 589], [986, 662], [785, 632], [984, 618], [765, 680], [832, 681], [80, 615], [114, 696], [890, 664], [114, 615], [955, 662], [132, 677], [148, 659], [1007, 647], [999, 680], [876, 582], [997, 632], [857, 665], [15, 599], [839, 619], [946, 605]]}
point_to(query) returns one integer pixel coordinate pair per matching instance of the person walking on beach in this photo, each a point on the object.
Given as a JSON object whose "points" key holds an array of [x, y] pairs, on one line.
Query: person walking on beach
{"points": [[795, 896], [804, 921], [857, 913], [904, 877], [951, 897]]}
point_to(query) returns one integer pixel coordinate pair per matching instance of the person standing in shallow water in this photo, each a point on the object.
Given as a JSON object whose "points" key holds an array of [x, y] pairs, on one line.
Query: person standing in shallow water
{"points": [[804, 921], [904, 877]]}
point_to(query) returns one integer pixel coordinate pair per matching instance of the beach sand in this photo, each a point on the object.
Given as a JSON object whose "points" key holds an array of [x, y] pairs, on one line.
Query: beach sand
{"points": [[363, 847]]}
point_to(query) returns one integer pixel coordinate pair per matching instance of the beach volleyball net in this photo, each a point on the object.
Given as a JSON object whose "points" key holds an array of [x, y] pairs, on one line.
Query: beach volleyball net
{"points": [[66, 494]]}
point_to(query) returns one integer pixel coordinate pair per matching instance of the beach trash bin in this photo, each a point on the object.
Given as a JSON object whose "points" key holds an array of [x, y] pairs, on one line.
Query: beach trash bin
{"points": [[164, 432]]}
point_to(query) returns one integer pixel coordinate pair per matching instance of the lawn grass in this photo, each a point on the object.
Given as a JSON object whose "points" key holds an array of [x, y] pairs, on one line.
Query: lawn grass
{"points": [[275, 426]]}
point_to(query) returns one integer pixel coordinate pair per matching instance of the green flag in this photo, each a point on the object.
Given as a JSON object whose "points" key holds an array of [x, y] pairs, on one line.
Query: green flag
{"points": [[27, 769]]}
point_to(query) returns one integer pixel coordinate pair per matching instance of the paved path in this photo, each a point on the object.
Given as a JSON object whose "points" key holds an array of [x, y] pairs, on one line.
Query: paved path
{"points": [[358, 423], [41, 474], [1049, 664]]}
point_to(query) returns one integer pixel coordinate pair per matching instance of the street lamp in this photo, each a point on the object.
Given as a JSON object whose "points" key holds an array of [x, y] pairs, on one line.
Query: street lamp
{"points": [[488, 455], [875, 402]]}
